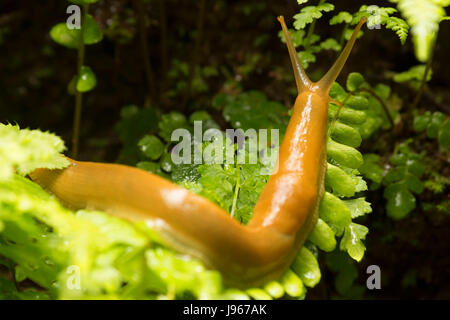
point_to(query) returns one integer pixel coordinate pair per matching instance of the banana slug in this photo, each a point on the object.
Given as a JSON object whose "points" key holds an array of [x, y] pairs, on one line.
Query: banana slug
{"points": [[284, 214]]}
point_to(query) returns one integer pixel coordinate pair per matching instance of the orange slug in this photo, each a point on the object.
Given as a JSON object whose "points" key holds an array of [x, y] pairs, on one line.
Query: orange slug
{"points": [[283, 217]]}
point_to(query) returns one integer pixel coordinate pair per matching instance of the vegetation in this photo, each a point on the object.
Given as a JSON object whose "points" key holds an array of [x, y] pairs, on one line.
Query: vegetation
{"points": [[387, 142]]}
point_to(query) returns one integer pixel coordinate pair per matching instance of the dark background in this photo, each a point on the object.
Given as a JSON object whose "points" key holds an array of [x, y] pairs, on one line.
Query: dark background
{"points": [[35, 71]]}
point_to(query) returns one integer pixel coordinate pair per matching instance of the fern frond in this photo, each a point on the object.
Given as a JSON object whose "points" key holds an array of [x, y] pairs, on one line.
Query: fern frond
{"points": [[399, 26], [383, 16], [24, 150], [423, 16], [310, 13], [341, 17]]}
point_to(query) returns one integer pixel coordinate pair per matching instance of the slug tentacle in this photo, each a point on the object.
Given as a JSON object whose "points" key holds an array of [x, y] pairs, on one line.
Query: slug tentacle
{"points": [[301, 78], [328, 79]]}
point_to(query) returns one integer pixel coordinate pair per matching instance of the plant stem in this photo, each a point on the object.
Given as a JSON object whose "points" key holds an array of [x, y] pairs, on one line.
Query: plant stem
{"points": [[342, 37], [139, 7], [79, 95], [333, 121], [196, 54], [311, 29], [164, 58], [424, 79], [236, 190], [350, 94]]}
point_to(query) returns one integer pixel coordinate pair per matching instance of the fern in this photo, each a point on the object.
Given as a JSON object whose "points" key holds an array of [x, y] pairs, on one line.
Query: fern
{"points": [[310, 42], [111, 252], [399, 26], [310, 13], [435, 125], [424, 17], [341, 17], [383, 16], [25, 150], [236, 187], [415, 73]]}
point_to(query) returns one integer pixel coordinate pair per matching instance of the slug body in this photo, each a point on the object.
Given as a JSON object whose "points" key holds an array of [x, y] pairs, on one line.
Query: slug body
{"points": [[284, 215]]}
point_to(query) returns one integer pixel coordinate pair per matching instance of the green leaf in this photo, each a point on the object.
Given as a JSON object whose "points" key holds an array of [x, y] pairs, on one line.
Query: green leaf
{"points": [[323, 236], [341, 17], [424, 18], [337, 92], [436, 121], [335, 213], [169, 122], [166, 163], [413, 182], [293, 285], [134, 124], [275, 289], [357, 102], [330, 44], [86, 80], [64, 36], [217, 184], [344, 155], [383, 91], [343, 133], [400, 201], [72, 86], [305, 265], [358, 207], [25, 150], [444, 135], [399, 26], [354, 81], [413, 73], [151, 146], [421, 122], [252, 110], [351, 241], [351, 116], [381, 16], [339, 181], [309, 13], [8, 291], [371, 168], [70, 38], [92, 32], [346, 271], [306, 57], [258, 294]]}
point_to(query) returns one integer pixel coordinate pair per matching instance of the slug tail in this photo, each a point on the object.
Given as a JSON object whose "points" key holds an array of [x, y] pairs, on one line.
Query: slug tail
{"points": [[328, 79], [301, 78], [46, 177]]}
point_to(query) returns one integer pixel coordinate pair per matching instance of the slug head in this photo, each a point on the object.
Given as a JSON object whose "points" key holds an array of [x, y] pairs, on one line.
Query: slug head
{"points": [[323, 85]]}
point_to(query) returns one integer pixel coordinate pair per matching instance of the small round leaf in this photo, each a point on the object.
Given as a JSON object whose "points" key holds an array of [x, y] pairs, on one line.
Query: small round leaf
{"points": [[151, 146], [86, 80]]}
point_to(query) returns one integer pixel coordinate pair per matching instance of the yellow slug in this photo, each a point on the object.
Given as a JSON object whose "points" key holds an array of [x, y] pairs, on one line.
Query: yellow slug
{"points": [[283, 217]]}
